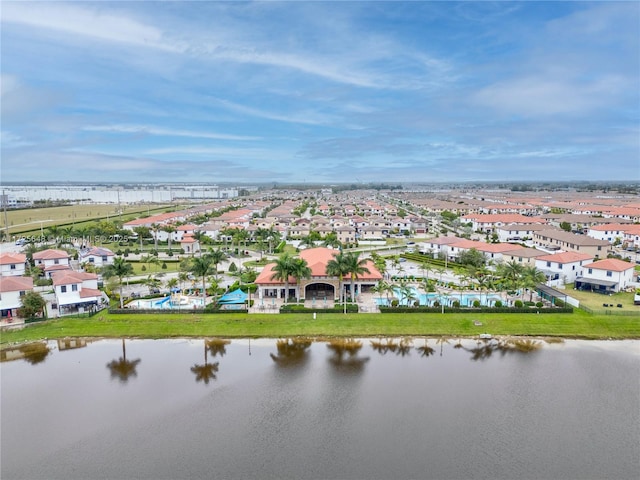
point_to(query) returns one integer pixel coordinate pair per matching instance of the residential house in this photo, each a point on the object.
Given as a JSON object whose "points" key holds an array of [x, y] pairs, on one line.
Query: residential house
{"points": [[98, 256], [488, 223], [76, 292], [524, 256], [606, 276], [52, 260], [571, 242], [516, 232], [189, 244], [12, 264], [12, 289], [563, 267]]}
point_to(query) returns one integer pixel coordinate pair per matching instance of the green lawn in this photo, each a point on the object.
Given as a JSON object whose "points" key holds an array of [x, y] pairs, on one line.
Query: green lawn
{"points": [[577, 325], [594, 301]]}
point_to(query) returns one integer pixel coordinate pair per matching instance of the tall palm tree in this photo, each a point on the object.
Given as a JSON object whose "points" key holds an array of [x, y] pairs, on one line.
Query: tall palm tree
{"points": [[331, 240], [531, 278], [201, 267], [299, 271], [122, 368], [119, 268], [337, 267], [217, 256], [155, 228], [283, 269], [169, 229], [142, 232], [355, 268]]}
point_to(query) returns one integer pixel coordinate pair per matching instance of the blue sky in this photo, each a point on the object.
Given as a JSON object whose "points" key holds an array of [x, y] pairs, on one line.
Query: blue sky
{"points": [[320, 91]]}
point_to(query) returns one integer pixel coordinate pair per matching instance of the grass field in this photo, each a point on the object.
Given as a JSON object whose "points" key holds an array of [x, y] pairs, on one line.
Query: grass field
{"points": [[33, 219], [577, 325]]}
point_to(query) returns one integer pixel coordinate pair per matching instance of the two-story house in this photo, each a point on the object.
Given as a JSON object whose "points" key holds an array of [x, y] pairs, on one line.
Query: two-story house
{"points": [[98, 256], [76, 292], [606, 276], [563, 267], [52, 260], [11, 291], [12, 264]]}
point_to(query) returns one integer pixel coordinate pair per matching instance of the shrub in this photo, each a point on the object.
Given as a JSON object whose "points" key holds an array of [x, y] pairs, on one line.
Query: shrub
{"points": [[394, 303], [476, 303], [456, 304], [539, 304], [170, 253], [559, 303], [518, 304], [164, 265], [498, 304]]}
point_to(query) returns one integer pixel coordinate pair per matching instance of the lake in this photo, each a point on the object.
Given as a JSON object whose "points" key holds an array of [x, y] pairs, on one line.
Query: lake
{"points": [[297, 408]]}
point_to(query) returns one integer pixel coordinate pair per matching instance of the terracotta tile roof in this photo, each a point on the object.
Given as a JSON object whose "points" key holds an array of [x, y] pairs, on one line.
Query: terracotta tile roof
{"points": [[612, 264], [15, 284], [11, 258], [317, 259], [66, 278], [565, 257], [50, 254], [90, 292]]}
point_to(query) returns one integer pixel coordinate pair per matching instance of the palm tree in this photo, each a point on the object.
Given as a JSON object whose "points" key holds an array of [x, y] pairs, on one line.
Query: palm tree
{"points": [[142, 232], [122, 368], [152, 283], [201, 267], [406, 294], [531, 278], [308, 242], [336, 267], [299, 271], [155, 228], [170, 230], [331, 240], [217, 256], [172, 283], [119, 268], [283, 269], [291, 352], [182, 278], [355, 267], [426, 267]]}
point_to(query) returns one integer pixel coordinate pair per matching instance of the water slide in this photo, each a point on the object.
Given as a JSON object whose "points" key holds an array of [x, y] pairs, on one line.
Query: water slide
{"points": [[163, 301]]}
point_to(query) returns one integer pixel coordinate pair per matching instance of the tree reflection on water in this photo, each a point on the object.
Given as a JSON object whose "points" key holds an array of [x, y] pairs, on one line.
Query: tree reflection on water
{"points": [[485, 348], [344, 354], [122, 368], [207, 371], [291, 352]]}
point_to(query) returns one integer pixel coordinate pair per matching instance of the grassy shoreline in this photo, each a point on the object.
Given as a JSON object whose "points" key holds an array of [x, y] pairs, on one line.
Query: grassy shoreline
{"points": [[104, 325]]}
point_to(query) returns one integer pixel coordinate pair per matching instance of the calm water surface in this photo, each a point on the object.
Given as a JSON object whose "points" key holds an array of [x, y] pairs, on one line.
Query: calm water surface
{"points": [[296, 409]]}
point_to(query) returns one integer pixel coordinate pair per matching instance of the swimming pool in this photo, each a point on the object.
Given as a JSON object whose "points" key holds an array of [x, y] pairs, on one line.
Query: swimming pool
{"points": [[180, 302], [429, 299]]}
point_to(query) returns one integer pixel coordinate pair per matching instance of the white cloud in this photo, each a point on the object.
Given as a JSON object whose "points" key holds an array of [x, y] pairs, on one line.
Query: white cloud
{"points": [[93, 23], [167, 132]]}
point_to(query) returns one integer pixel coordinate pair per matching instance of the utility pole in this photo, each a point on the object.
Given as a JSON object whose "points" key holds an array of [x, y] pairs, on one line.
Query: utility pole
{"points": [[5, 200]]}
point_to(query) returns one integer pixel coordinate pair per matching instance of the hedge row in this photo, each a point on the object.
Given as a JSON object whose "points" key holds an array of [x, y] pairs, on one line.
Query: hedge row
{"points": [[302, 309], [474, 310], [162, 311]]}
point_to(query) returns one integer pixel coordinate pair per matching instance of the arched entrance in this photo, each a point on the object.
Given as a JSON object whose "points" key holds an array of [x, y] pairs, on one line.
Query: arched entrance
{"points": [[319, 291]]}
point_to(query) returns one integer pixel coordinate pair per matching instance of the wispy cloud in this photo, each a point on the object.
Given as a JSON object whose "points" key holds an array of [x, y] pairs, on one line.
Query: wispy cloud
{"points": [[165, 132]]}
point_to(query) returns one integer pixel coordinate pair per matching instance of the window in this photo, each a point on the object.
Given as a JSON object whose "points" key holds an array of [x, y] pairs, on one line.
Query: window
{"points": [[13, 266], [559, 266], [590, 270], [91, 259], [599, 248], [74, 288], [104, 258], [548, 264], [56, 261], [22, 292], [609, 274], [63, 289], [573, 268]]}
